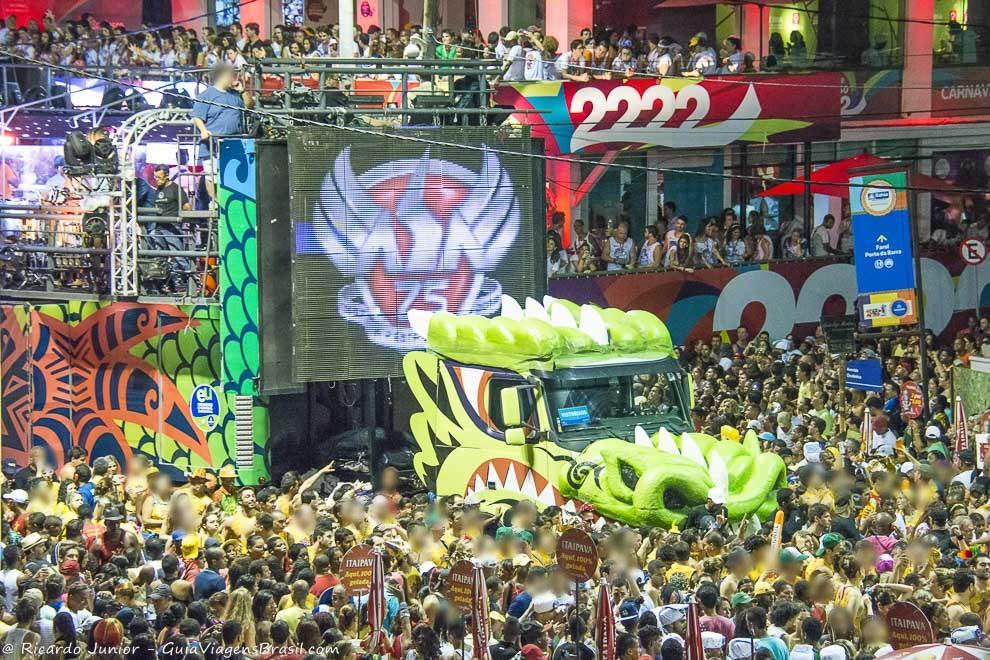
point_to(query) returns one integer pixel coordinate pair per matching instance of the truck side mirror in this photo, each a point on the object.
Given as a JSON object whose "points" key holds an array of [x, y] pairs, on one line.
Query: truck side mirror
{"points": [[512, 405], [515, 437]]}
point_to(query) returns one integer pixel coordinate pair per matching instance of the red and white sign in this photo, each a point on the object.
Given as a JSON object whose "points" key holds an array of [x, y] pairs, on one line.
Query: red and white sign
{"points": [[642, 113], [973, 251], [912, 400], [908, 626], [577, 555], [356, 569], [982, 448]]}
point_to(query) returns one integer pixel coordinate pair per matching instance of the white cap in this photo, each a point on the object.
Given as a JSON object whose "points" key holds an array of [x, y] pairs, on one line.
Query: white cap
{"points": [[812, 452], [716, 495], [712, 640], [426, 567], [669, 614], [966, 635], [834, 652], [17, 495]]}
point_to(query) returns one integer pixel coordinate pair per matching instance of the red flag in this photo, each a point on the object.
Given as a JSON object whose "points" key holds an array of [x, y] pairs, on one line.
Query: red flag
{"points": [[605, 624], [376, 605], [480, 630], [962, 433], [695, 649]]}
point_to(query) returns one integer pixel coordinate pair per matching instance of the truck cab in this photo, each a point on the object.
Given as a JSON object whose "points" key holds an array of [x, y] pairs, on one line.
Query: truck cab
{"points": [[565, 405]]}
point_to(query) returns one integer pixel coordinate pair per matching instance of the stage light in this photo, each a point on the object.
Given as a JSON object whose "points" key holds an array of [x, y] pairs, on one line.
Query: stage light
{"points": [[77, 150], [7, 140]]}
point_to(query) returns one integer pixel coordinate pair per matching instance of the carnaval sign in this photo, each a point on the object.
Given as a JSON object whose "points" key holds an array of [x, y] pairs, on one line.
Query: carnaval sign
{"points": [[604, 115]]}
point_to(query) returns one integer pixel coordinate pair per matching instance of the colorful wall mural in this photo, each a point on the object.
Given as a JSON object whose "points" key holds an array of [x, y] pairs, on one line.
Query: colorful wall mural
{"points": [[780, 297], [115, 378], [165, 381]]}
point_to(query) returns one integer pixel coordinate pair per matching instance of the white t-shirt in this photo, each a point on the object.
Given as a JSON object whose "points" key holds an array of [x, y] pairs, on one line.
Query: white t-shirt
{"points": [[533, 65], [517, 65], [885, 444]]}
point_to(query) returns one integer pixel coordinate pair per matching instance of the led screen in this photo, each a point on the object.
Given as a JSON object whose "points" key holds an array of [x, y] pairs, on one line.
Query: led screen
{"points": [[392, 222]]}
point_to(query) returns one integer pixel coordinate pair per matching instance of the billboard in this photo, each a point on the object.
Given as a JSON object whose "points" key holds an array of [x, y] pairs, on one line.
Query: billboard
{"points": [[640, 113], [437, 219], [881, 232]]}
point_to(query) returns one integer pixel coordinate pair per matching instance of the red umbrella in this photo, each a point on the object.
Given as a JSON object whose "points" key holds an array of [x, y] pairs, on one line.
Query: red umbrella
{"points": [[695, 649], [605, 624], [376, 604], [480, 631], [833, 179], [939, 652], [962, 433]]}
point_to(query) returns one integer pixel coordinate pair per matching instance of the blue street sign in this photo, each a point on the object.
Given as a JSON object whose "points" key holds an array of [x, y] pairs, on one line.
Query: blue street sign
{"points": [[864, 375], [881, 233]]}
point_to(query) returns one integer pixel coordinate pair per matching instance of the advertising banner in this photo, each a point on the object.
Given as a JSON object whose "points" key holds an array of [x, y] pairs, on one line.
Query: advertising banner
{"points": [[605, 115], [864, 375], [881, 232], [960, 91], [877, 310]]}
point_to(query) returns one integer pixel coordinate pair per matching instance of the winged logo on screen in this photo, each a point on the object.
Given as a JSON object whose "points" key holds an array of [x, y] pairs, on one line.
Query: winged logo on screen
{"points": [[417, 233]]}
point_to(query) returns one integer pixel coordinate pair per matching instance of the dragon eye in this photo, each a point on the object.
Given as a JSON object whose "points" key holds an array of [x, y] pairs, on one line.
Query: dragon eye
{"points": [[629, 476], [672, 499]]}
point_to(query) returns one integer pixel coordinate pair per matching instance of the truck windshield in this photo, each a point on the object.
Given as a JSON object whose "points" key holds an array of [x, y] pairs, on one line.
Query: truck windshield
{"points": [[616, 401]]}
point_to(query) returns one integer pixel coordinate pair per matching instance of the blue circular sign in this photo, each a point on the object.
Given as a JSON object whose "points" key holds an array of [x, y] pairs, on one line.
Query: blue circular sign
{"points": [[204, 406], [898, 308]]}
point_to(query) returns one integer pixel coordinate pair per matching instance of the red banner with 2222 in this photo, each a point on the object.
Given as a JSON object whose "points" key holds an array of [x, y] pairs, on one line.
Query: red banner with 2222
{"points": [[688, 113]]}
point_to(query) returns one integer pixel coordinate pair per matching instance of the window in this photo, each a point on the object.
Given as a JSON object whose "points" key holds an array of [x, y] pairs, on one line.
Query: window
{"points": [[292, 12], [227, 12], [954, 39]]}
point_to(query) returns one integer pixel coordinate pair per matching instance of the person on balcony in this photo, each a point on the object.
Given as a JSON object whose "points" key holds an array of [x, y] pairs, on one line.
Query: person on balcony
{"points": [[514, 62], [821, 238], [619, 252], [626, 63], [733, 59], [704, 59], [651, 254], [217, 112]]}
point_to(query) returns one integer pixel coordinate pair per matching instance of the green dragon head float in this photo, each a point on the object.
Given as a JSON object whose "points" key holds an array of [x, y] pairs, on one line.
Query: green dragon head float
{"points": [[647, 480]]}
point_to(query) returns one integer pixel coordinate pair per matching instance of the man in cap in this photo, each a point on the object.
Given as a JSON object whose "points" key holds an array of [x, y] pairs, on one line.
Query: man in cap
{"points": [[35, 551], [197, 491], [16, 503], [673, 619], [740, 601], [825, 555], [514, 62], [114, 539], [710, 515], [161, 598], [792, 564], [226, 494]]}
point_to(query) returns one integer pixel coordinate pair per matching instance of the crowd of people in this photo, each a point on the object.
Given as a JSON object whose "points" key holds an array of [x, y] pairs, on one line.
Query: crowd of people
{"points": [[526, 53], [668, 244], [103, 560]]}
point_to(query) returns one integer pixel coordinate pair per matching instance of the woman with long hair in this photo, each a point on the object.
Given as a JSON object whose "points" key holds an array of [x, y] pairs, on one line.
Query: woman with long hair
{"points": [[679, 256], [736, 250], [240, 608]]}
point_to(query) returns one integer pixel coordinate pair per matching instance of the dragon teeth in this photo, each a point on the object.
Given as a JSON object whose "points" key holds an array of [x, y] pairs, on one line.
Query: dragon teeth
{"points": [[479, 485], [493, 477], [529, 486], [512, 480], [547, 496]]}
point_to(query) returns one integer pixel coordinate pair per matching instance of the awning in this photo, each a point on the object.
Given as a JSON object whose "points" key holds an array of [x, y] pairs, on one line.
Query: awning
{"points": [[833, 179]]}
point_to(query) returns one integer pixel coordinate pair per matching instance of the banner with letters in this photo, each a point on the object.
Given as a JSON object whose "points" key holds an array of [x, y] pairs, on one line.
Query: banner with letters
{"points": [[604, 115], [881, 232]]}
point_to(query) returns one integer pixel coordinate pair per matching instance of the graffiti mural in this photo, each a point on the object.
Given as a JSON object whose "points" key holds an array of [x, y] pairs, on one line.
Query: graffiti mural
{"points": [[115, 379], [780, 297], [239, 294]]}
